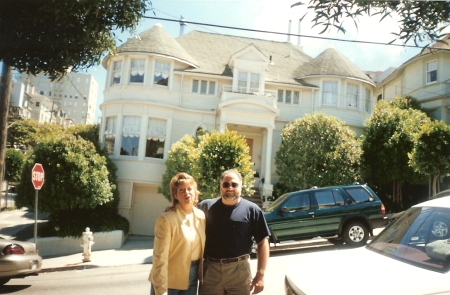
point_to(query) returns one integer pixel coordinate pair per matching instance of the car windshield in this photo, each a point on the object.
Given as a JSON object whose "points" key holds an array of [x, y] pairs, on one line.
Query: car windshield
{"points": [[275, 204], [420, 236]]}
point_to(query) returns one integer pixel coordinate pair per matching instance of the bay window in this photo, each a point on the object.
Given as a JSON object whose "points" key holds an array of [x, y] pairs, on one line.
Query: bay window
{"points": [[131, 129]]}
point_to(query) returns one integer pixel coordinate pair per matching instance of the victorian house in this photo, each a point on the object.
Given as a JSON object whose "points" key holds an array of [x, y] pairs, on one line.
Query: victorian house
{"points": [[160, 88]]}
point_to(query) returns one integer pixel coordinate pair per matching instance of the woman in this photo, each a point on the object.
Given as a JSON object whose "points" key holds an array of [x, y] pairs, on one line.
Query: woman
{"points": [[179, 242]]}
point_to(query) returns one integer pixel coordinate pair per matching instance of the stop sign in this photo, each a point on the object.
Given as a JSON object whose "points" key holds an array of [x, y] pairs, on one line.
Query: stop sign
{"points": [[37, 176]]}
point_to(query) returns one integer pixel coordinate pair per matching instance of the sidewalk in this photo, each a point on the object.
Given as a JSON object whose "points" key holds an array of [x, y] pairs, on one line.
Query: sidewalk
{"points": [[135, 250]]}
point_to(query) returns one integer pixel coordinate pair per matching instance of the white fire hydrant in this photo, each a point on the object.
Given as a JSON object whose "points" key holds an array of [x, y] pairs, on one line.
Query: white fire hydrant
{"points": [[88, 241]]}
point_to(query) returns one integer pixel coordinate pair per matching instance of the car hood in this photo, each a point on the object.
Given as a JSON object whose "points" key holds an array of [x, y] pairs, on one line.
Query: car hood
{"points": [[362, 271]]}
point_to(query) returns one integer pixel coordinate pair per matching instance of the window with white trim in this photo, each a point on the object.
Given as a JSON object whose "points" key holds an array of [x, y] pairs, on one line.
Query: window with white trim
{"points": [[248, 82], [431, 71], [288, 96], [367, 100], [162, 73], [137, 70], [110, 134], [203, 87], [131, 130], [117, 72], [156, 137], [352, 95], [330, 93]]}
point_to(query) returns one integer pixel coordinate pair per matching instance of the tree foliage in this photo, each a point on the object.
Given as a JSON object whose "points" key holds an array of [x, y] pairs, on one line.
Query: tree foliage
{"points": [[205, 158], [419, 20], [317, 150], [219, 152], [182, 157], [431, 153], [53, 36], [23, 132], [13, 162], [389, 136], [76, 176]]}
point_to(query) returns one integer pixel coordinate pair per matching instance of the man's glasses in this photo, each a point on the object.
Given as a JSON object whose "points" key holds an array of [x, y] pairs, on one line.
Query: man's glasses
{"points": [[227, 184]]}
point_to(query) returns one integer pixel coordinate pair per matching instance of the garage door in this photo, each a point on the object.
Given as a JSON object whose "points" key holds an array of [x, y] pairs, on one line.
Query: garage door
{"points": [[147, 205]]}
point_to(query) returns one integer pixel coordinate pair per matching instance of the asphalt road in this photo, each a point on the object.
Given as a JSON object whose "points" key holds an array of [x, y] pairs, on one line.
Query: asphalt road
{"points": [[133, 279]]}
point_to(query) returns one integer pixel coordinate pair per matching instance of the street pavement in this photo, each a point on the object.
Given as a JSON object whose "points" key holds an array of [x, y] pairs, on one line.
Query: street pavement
{"points": [[135, 250]]}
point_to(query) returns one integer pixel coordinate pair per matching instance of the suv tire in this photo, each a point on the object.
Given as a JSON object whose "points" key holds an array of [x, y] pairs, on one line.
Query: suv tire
{"points": [[355, 234]]}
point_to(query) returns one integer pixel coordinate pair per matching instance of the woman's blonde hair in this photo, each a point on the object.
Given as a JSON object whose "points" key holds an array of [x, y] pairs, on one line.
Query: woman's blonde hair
{"points": [[182, 178]]}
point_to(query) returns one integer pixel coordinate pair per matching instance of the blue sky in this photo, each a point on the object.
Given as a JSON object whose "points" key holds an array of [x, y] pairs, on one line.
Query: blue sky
{"points": [[274, 16]]}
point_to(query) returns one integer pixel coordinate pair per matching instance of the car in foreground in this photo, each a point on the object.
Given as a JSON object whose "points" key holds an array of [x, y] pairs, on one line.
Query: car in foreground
{"points": [[18, 260], [344, 213], [410, 256]]}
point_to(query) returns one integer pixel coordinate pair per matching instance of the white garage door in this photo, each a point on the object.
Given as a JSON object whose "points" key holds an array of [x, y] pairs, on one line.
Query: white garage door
{"points": [[147, 205]]}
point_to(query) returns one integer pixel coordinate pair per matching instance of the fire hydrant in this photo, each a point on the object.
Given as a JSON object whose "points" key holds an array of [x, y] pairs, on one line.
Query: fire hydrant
{"points": [[88, 241]]}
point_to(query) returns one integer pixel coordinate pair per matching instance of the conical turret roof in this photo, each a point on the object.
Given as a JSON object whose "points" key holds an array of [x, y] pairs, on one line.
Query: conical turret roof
{"points": [[157, 40], [331, 62]]}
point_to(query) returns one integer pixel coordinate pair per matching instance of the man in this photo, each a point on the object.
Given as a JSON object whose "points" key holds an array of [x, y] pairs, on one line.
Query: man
{"points": [[231, 225]]}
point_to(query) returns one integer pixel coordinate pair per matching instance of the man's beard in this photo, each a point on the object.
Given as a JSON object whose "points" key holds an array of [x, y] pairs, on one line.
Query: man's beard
{"points": [[230, 197]]}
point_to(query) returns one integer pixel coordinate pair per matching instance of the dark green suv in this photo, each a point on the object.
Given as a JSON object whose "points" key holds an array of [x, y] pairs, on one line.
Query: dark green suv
{"points": [[346, 213]]}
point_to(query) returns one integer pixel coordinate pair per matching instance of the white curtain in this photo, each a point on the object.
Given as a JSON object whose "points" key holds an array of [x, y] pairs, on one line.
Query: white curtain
{"points": [[131, 126], [352, 95], [329, 93], [137, 67], [117, 65], [110, 125], [156, 129]]}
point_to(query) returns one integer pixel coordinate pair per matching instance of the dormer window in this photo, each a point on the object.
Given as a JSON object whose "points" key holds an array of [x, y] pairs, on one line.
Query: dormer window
{"points": [[248, 82], [162, 73], [431, 71]]}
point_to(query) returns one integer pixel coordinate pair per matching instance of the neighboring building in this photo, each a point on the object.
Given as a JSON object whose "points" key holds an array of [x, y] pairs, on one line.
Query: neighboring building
{"points": [[75, 93], [160, 88], [425, 77]]}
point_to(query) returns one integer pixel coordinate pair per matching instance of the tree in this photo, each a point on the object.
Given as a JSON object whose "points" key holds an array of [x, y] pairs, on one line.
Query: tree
{"points": [[75, 176], [23, 132], [55, 36], [182, 157], [219, 152], [431, 153], [317, 150], [389, 136], [13, 162], [419, 20], [205, 158]]}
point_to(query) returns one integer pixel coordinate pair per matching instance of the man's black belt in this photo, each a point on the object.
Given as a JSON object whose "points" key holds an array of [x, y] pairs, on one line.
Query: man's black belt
{"points": [[229, 260]]}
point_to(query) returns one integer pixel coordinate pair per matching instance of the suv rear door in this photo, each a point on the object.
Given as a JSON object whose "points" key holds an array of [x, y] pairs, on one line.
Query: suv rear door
{"points": [[331, 209], [294, 217]]}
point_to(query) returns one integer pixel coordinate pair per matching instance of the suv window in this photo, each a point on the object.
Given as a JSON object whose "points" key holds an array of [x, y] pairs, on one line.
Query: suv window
{"points": [[300, 201], [359, 194], [329, 198]]}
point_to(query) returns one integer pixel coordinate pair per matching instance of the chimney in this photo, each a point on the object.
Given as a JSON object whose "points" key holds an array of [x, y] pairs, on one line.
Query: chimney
{"points": [[289, 31], [182, 25]]}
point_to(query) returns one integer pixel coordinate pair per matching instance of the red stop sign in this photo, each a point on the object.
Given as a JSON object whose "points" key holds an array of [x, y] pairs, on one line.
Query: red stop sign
{"points": [[37, 176]]}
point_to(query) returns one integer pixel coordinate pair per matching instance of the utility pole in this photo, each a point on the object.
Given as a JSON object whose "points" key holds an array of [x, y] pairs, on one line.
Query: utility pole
{"points": [[5, 96]]}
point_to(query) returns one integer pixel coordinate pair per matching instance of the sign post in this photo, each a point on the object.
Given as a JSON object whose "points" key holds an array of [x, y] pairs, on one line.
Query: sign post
{"points": [[37, 178]]}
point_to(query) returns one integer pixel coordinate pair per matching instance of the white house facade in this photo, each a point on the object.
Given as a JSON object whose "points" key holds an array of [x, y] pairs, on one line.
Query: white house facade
{"points": [[425, 77], [160, 88]]}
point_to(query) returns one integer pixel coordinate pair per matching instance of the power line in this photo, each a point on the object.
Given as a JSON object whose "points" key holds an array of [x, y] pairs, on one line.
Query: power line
{"points": [[280, 33]]}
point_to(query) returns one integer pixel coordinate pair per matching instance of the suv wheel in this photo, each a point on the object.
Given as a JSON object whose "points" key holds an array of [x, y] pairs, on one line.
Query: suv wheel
{"points": [[355, 234]]}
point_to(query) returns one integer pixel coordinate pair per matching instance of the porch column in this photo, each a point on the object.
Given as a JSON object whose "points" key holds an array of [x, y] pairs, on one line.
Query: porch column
{"points": [[222, 127], [268, 155]]}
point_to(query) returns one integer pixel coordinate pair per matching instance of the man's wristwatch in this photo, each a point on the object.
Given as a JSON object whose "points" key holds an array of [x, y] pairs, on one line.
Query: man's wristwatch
{"points": [[261, 271]]}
